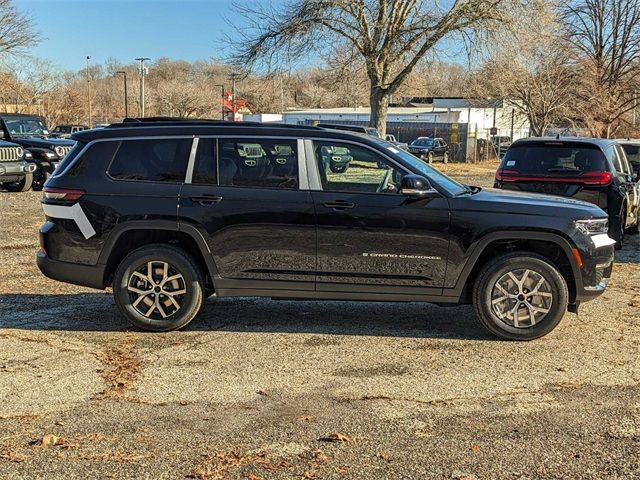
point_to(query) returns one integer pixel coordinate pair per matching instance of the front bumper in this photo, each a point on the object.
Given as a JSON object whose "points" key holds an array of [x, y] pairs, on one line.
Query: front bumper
{"points": [[597, 266], [15, 171]]}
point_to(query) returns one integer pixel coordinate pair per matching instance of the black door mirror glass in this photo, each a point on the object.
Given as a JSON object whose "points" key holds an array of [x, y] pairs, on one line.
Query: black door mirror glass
{"points": [[416, 186]]}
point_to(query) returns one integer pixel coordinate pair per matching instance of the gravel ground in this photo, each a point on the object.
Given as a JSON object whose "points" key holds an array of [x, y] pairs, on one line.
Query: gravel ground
{"points": [[256, 388]]}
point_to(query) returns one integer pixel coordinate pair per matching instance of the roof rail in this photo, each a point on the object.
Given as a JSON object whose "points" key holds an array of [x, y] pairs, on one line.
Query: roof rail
{"points": [[172, 121]]}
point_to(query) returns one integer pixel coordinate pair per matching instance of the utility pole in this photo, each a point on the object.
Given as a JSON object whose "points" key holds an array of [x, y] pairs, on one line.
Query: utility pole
{"points": [[234, 76], [221, 101], [142, 75], [126, 95], [89, 93]]}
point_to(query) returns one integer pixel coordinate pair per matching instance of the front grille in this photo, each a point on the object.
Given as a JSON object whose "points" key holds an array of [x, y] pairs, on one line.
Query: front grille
{"points": [[10, 154]]}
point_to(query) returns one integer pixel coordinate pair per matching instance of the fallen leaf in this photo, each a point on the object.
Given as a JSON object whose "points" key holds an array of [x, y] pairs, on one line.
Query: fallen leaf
{"points": [[342, 470], [263, 393], [252, 476], [305, 418], [475, 448], [568, 385], [183, 402], [309, 475], [49, 440], [336, 437]]}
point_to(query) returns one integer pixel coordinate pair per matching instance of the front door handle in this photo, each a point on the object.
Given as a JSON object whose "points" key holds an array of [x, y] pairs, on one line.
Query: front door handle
{"points": [[206, 200], [339, 205]]}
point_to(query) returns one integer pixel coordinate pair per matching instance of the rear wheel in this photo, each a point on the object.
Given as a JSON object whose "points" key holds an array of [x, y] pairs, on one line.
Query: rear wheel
{"points": [[520, 296], [22, 186], [430, 157], [445, 159], [158, 288]]}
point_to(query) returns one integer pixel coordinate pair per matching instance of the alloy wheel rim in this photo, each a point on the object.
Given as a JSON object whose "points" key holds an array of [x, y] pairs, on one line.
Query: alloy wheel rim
{"points": [[521, 298], [156, 290]]}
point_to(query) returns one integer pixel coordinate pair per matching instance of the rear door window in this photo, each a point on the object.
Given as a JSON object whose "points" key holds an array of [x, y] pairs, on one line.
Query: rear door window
{"points": [[153, 160], [258, 162], [633, 153], [548, 159]]}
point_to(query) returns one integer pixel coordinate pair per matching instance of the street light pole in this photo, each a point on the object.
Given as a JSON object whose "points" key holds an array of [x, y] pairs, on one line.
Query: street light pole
{"points": [[126, 96], [221, 101], [89, 92], [142, 74], [234, 76]]}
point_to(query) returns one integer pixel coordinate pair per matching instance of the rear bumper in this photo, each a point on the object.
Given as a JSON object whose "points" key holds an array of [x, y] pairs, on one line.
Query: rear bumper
{"points": [[85, 275]]}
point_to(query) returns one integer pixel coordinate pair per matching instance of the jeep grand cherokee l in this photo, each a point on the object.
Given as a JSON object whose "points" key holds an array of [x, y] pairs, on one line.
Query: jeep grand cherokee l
{"points": [[591, 169], [168, 212]]}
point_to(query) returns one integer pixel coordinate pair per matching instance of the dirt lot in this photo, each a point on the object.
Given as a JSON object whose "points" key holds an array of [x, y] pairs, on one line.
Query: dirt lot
{"points": [[264, 389]]}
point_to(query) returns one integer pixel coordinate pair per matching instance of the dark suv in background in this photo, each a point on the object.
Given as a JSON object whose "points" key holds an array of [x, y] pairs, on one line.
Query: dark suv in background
{"points": [[589, 169], [430, 149], [168, 212], [31, 132]]}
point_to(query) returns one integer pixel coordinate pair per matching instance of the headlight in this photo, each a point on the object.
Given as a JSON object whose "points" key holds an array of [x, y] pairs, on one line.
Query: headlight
{"points": [[20, 152], [59, 151], [28, 155], [593, 226]]}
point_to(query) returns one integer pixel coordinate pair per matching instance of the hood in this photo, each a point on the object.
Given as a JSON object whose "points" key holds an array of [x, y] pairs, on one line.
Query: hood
{"points": [[5, 144], [44, 142], [507, 201]]}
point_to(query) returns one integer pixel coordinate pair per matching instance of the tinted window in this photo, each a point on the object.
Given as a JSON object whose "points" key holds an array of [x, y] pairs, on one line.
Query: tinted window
{"points": [[633, 153], [99, 154], [544, 159], [423, 142], [152, 160], [258, 163], [345, 167], [205, 168]]}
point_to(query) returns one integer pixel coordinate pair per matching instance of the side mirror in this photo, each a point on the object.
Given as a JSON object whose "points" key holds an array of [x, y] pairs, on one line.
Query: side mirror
{"points": [[416, 186]]}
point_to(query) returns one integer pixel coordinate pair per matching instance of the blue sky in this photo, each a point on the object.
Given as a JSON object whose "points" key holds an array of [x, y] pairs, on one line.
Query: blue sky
{"points": [[125, 29]]}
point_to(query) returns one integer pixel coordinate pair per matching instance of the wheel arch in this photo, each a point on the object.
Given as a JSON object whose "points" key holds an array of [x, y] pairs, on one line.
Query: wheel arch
{"points": [[560, 254], [135, 234]]}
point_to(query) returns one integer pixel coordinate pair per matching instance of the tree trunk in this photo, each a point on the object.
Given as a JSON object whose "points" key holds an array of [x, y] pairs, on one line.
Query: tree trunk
{"points": [[379, 101]]}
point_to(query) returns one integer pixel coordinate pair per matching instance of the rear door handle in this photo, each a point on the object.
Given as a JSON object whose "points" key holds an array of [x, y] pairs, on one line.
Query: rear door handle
{"points": [[339, 205], [206, 200]]}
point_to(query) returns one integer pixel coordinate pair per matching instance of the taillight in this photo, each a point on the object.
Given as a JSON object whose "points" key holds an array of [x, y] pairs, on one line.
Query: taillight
{"points": [[68, 194], [588, 178]]}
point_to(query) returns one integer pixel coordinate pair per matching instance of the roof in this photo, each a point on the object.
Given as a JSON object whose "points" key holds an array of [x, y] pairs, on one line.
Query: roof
{"points": [[363, 111], [163, 126], [588, 140]]}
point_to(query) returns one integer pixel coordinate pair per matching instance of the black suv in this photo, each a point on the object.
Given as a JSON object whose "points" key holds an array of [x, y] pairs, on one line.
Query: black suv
{"points": [[16, 167], [591, 169], [429, 149], [30, 132], [168, 212]]}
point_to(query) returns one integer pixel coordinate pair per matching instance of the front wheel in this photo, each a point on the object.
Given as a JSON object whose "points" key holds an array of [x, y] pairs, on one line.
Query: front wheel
{"points": [[336, 168], [445, 158], [22, 186], [430, 157], [158, 288], [520, 296]]}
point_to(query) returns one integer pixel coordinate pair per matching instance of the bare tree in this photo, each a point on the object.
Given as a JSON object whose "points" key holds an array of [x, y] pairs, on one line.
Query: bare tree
{"points": [[606, 37], [390, 36], [16, 29]]}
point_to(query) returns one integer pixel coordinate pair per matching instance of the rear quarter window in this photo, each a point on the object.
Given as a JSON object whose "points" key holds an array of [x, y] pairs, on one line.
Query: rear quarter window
{"points": [[98, 155], [548, 159], [156, 160]]}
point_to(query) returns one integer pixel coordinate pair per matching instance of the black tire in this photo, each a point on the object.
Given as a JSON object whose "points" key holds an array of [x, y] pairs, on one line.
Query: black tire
{"points": [[445, 158], [634, 230], [178, 261], [39, 178], [22, 186], [514, 262], [335, 168], [430, 157]]}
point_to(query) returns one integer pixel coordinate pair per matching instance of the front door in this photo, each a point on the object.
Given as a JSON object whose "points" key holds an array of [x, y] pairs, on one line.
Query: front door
{"points": [[371, 238], [249, 200]]}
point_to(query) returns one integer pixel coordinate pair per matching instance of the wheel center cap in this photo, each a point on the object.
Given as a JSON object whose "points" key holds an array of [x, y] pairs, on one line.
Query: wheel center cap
{"points": [[521, 297], [157, 289]]}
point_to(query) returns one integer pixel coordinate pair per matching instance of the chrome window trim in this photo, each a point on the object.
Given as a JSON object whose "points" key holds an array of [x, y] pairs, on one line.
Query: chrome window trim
{"points": [[303, 177], [313, 171], [316, 167], [192, 158]]}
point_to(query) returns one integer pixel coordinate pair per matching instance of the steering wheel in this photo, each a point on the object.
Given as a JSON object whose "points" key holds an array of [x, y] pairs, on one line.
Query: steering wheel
{"points": [[385, 186]]}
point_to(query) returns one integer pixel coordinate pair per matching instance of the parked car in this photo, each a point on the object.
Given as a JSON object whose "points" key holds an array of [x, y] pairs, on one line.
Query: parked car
{"points": [[500, 145], [16, 167], [392, 139], [373, 132], [31, 133], [65, 131], [430, 149], [391, 229], [632, 150], [589, 169]]}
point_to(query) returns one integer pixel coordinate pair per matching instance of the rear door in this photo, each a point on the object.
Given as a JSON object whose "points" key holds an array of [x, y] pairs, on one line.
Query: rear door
{"points": [[249, 199]]}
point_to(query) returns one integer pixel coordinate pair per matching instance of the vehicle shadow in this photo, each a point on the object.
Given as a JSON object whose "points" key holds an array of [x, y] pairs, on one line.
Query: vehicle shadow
{"points": [[96, 312], [630, 252]]}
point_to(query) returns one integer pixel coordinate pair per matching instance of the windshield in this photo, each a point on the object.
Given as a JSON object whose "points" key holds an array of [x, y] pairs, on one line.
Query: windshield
{"points": [[25, 126], [422, 142], [448, 184], [546, 159]]}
